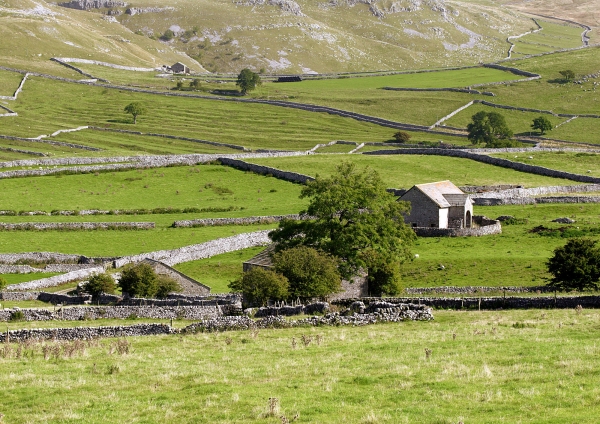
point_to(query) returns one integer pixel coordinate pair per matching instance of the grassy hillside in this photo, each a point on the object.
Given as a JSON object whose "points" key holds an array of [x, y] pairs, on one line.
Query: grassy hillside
{"points": [[33, 32]]}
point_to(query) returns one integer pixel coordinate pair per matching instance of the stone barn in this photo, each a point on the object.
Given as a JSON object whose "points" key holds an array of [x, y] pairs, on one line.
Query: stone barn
{"points": [[180, 68], [438, 205]]}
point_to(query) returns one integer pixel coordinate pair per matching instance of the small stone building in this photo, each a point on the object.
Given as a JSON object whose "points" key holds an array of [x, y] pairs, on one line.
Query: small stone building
{"points": [[356, 287], [438, 205], [189, 285], [180, 68]]}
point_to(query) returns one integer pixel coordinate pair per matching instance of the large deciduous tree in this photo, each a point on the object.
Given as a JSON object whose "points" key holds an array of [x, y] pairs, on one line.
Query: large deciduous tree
{"points": [[542, 124], [260, 285], [488, 128], [247, 80], [575, 266], [353, 217]]}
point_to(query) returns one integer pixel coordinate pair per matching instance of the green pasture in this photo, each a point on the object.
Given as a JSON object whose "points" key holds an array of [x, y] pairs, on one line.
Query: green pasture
{"points": [[407, 170], [583, 130], [337, 148], [21, 278], [115, 242], [9, 81], [577, 162], [519, 122], [114, 143], [201, 186], [252, 125], [554, 36], [218, 271], [35, 146], [528, 366]]}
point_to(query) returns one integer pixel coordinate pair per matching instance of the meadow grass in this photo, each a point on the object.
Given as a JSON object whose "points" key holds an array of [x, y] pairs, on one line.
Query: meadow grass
{"points": [[9, 81], [406, 170], [20, 278], [218, 271], [579, 130], [518, 122], [554, 36], [171, 187], [579, 163], [528, 366], [115, 242], [251, 125], [35, 146]]}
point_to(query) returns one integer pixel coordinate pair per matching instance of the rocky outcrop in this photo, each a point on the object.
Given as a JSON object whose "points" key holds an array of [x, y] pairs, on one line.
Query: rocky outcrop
{"points": [[138, 10], [287, 6], [92, 4]]}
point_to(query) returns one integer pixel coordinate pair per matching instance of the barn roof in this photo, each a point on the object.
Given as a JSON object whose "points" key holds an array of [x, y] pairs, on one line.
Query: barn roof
{"points": [[443, 193]]}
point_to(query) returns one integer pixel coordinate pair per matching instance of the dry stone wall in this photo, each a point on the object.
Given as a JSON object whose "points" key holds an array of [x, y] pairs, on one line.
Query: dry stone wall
{"points": [[85, 333], [233, 221], [75, 226], [485, 227], [266, 170], [57, 279], [115, 312]]}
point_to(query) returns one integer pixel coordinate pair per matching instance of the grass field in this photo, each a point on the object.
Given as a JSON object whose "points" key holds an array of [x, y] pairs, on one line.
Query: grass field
{"points": [[406, 170], [579, 163], [554, 36], [9, 81], [511, 366], [20, 278], [218, 271]]}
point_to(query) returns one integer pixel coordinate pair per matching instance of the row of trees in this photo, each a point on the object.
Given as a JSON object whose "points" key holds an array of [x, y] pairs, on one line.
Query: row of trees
{"points": [[491, 129], [139, 280], [355, 226]]}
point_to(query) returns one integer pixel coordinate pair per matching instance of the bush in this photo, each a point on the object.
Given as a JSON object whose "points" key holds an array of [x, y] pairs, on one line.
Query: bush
{"points": [[3, 283], [100, 283], [260, 285], [310, 273], [402, 137], [575, 266], [17, 316], [140, 280]]}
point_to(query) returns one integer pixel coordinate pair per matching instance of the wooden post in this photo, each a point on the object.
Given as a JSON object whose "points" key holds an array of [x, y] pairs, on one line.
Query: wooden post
{"points": [[479, 305]]}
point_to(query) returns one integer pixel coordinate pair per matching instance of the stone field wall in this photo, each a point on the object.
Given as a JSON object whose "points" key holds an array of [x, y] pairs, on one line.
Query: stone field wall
{"points": [[75, 226], [233, 221], [485, 227]]}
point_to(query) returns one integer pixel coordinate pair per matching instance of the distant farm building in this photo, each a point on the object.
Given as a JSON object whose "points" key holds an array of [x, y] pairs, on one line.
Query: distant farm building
{"points": [[294, 78], [438, 205], [180, 68]]}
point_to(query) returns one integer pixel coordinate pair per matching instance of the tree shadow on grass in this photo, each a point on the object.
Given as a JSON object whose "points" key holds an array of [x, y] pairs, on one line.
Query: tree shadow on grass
{"points": [[120, 121], [234, 93]]}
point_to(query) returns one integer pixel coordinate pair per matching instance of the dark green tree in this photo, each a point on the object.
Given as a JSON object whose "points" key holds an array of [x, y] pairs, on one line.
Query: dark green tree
{"points": [[575, 266], [568, 75], [310, 273], [248, 80], [542, 124], [402, 137], [195, 84], [260, 285], [140, 280], [488, 128], [167, 36], [353, 217], [100, 283], [135, 109]]}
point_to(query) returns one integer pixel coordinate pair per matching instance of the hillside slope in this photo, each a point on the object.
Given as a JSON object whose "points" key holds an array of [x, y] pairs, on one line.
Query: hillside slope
{"points": [[318, 36], [34, 31]]}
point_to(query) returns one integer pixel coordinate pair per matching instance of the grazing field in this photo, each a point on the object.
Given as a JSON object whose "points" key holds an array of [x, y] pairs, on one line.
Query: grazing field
{"points": [[579, 163], [554, 36], [253, 125], [406, 170], [218, 271], [9, 81], [509, 366], [20, 278]]}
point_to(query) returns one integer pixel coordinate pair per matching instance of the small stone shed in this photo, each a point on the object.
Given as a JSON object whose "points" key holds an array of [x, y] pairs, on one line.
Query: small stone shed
{"points": [[438, 205], [180, 68], [189, 285], [356, 287]]}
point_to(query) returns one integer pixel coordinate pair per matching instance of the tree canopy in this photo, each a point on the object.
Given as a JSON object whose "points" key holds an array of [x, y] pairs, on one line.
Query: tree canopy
{"points": [[575, 266], [568, 75], [140, 280], [100, 283], [259, 285], [352, 217], [542, 124], [247, 80], [488, 128], [310, 273], [135, 109]]}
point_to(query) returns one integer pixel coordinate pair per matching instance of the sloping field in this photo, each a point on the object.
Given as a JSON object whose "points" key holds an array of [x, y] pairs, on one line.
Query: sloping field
{"points": [[403, 171]]}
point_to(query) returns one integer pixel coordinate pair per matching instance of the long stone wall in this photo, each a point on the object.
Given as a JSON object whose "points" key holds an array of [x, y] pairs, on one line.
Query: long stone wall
{"points": [[200, 251], [85, 333], [454, 90], [478, 289], [485, 227], [114, 312], [505, 163], [266, 170], [54, 143], [57, 279], [75, 226], [206, 222]]}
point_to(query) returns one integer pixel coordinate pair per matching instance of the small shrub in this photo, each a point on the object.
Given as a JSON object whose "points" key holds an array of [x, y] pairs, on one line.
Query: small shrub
{"points": [[113, 369], [17, 315], [402, 137]]}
